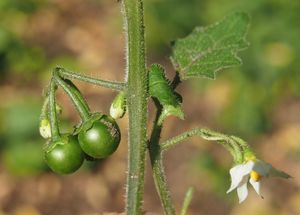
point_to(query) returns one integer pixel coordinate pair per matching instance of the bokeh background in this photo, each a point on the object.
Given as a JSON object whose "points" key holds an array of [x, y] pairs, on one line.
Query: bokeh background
{"points": [[259, 101]]}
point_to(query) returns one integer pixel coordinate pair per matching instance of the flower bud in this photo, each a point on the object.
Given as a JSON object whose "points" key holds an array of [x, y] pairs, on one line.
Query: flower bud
{"points": [[45, 129], [118, 106]]}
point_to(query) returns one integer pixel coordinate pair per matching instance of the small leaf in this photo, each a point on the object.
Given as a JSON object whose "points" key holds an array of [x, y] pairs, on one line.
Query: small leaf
{"points": [[209, 49], [159, 88]]}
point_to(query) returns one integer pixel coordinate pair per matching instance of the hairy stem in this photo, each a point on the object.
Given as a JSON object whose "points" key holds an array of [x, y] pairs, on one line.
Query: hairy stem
{"points": [[187, 200], [52, 112], [226, 141], [159, 175], [136, 103], [44, 112], [155, 152], [83, 112], [103, 83], [78, 94]]}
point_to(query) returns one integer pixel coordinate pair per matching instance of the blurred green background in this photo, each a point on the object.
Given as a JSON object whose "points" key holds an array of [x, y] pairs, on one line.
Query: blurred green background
{"points": [[259, 101]]}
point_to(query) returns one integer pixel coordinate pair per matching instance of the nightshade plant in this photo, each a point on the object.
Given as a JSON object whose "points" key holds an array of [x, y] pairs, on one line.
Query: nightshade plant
{"points": [[201, 54]]}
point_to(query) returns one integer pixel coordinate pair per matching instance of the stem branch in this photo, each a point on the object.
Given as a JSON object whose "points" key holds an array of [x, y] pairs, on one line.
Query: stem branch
{"points": [[187, 200], [103, 83], [45, 107], [228, 142], [83, 112], [155, 152], [159, 175], [52, 112]]}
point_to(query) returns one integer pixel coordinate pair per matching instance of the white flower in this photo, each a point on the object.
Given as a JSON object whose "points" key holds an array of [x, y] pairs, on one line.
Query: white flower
{"points": [[45, 129], [252, 171]]}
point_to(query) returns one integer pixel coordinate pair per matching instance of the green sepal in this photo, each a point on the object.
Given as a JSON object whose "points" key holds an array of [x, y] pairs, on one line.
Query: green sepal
{"points": [[88, 123], [63, 139], [160, 88], [248, 154]]}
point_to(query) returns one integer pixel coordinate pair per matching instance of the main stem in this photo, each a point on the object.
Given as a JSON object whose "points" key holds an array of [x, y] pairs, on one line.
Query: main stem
{"points": [[136, 102]]}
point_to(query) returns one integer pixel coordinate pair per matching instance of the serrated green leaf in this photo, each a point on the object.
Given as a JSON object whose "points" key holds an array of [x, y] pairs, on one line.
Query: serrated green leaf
{"points": [[159, 88], [209, 49]]}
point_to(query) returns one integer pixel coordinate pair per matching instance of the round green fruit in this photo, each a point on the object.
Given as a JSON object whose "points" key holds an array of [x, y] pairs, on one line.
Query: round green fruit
{"points": [[101, 138], [64, 156]]}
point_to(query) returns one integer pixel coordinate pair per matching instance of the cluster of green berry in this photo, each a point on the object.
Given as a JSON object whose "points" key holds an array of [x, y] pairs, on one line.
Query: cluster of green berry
{"points": [[97, 136]]}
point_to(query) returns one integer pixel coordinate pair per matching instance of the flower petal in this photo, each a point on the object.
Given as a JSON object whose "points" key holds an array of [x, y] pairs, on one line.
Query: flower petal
{"points": [[263, 168], [242, 192], [255, 185], [239, 174], [278, 173]]}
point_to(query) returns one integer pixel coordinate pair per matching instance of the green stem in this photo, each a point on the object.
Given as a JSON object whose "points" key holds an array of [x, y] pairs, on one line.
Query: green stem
{"points": [[241, 146], [55, 134], [136, 103], [205, 133], [241, 142], [45, 106], [228, 142], [78, 94], [160, 179], [159, 175], [103, 83], [187, 200], [84, 114], [155, 152], [230, 147]]}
